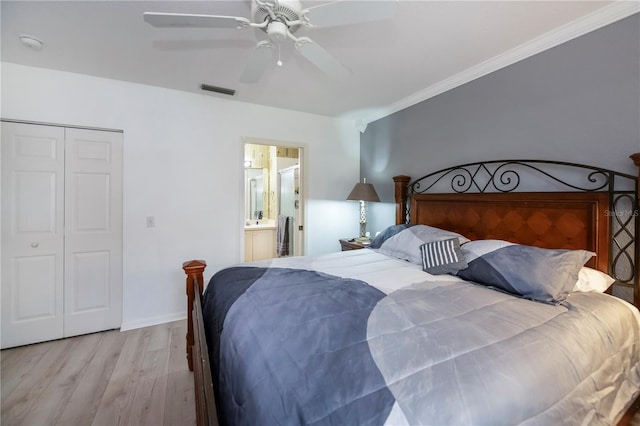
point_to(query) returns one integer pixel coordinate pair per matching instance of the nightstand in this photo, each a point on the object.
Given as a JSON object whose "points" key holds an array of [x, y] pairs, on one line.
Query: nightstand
{"points": [[351, 244]]}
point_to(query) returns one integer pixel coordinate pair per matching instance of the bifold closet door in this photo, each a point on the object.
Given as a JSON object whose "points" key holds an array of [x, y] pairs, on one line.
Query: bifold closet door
{"points": [[61, 232], [32, 233], [93, 231]]}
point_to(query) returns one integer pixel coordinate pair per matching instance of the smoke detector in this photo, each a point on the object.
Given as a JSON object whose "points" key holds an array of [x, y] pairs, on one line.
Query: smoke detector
{"points": [[31, 42]]}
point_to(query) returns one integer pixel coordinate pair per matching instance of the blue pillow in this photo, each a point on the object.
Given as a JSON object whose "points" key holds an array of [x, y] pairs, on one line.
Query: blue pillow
{"points": [[386, 234], [534, 273], [404, 241]]}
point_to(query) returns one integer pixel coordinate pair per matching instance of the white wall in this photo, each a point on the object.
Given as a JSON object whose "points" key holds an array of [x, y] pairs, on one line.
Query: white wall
{"points": [[183, 165]]}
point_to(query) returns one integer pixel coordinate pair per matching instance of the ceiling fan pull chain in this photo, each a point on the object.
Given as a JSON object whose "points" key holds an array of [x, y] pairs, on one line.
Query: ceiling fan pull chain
{"points": [[279, 60]]}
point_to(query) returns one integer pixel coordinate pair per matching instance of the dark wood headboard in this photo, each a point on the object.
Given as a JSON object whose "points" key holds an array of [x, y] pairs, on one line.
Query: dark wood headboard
{"points": [[600, 215]]}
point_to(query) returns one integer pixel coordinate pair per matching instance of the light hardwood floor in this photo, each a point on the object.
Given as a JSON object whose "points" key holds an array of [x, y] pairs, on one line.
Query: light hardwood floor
{"points": [[136, 377]]}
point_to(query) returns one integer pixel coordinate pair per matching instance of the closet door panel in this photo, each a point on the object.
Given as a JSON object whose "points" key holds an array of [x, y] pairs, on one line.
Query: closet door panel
{"points": [[91, 281], [32, 233], [93, 222]]}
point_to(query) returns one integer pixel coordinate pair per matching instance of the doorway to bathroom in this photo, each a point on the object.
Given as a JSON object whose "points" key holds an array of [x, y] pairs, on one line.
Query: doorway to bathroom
{"points": [[273, 199]]}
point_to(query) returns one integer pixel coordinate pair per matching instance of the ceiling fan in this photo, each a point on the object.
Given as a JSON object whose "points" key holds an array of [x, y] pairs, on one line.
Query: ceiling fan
{"points": [[280, 19]]}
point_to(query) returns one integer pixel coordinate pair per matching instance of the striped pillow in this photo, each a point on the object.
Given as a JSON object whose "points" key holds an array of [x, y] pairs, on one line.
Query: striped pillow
{"points": [[442, 257]]}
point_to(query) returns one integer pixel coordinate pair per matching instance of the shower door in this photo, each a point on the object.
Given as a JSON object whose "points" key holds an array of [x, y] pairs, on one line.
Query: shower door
{"points": [[289, 205]]}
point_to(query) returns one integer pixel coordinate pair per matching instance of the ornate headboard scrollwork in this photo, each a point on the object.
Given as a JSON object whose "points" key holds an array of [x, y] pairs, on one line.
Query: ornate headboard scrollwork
{"points": [[506, 176]]}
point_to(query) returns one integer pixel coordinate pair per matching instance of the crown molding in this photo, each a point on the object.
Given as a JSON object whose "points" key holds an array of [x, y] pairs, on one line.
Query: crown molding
{"points": [[591, 22]]}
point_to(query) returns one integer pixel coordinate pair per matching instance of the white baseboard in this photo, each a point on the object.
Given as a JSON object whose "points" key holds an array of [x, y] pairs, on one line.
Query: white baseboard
{"points": [[148, 322]]}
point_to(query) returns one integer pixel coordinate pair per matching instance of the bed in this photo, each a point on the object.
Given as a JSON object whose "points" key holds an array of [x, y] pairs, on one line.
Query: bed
{"points": [[485, 304]]}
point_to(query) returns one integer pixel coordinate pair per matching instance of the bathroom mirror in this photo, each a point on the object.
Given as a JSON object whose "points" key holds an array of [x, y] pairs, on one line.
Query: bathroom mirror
{"points": [[254, 205]]}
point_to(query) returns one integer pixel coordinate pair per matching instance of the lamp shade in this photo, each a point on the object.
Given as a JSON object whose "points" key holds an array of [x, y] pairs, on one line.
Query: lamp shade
{"points": [[363, 192]]}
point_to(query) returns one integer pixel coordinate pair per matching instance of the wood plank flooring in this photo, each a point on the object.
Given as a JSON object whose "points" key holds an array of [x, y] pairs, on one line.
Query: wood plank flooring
{"points": [[136, 377]]}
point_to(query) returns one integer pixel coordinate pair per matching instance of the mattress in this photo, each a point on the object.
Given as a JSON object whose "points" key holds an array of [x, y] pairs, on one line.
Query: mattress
{"points": [[361, 338]]}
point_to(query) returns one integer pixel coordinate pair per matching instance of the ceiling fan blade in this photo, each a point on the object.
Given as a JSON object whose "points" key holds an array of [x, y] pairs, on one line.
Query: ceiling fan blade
{"points": [[258, 62], [183, 20], [321, 59], [345, 12]]}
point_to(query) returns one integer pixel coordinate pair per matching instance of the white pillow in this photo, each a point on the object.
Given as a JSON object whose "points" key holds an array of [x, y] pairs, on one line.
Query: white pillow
{"points": [[591, 280]]}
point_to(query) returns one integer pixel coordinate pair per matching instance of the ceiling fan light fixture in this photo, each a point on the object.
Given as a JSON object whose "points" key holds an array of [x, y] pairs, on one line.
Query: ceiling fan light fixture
{"points": [[277, 31]]}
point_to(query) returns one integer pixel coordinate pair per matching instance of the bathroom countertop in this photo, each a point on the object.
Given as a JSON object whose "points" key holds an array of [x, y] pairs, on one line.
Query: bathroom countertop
{"points": [[255, 227]]}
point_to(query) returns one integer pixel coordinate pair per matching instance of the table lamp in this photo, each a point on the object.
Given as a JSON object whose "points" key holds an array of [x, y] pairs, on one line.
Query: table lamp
{"points": [[363, 192]]}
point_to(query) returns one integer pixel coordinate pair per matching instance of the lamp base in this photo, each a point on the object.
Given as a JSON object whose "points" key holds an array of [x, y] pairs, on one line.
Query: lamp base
{"points": [[363, 219]]}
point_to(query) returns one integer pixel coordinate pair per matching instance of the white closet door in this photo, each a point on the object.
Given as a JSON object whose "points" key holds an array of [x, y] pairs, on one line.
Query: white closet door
{"points": [[32, 233], [93, 231]]}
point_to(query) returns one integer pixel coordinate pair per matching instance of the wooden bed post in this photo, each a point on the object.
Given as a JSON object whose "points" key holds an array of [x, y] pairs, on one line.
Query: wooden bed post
{"points": [[636, 160], [194, 270], [401, 183]]}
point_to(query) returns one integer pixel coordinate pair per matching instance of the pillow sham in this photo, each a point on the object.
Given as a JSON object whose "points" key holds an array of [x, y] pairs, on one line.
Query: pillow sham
{"points": [[592, 280], [386, 234], [442, 257], [404, 241], [544, 275]]}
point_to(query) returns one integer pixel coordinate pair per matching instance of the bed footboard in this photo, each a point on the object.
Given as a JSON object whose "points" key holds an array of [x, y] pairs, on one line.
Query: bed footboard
{"points": [[197, 351]]}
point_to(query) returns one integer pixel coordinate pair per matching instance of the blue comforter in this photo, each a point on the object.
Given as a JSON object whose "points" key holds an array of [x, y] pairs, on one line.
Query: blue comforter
{"points": [[290, 333], [292, 346]]}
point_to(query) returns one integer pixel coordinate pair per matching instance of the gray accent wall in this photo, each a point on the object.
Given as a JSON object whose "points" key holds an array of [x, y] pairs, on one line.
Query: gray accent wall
{"points": [[577, 102]]}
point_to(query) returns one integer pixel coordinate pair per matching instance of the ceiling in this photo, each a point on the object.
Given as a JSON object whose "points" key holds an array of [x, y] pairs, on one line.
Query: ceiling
{"points": [[425, 48]]}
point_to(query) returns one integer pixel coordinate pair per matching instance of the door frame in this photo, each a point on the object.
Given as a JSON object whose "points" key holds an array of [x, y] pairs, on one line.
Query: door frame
{"points": [[304, 186]]}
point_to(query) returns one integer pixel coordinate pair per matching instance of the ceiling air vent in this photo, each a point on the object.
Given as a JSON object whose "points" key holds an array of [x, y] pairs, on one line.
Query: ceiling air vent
{"points": [[217, 89]]}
